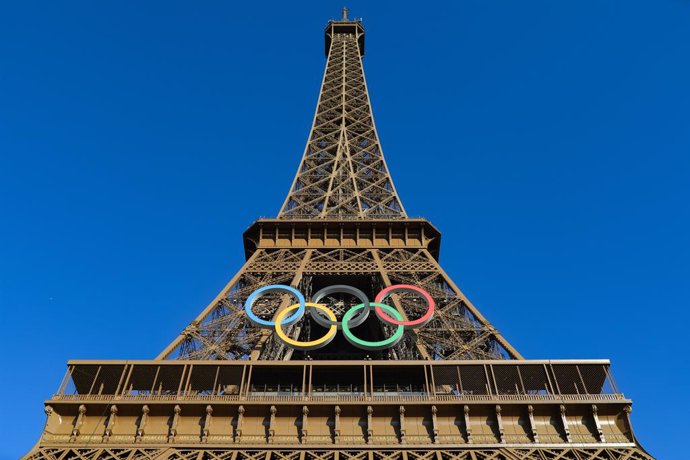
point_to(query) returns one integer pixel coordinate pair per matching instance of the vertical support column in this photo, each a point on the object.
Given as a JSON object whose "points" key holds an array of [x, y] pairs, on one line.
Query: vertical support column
{"points": [[95, 379], [65, 380], [242, 383], [336, 426], [564, 420], [207, 423], [499, 421], [173, 426], [248, 384], [460, 388], [127, 386], [305, 428], [238, 429], [78, 423], [142, 423], [490, 379], [187, 386], [182, 379], [432, 394], [628, 424], [216, 390], [49, 413], [370, 425], [585, 390], [532, 424], [272, 425], [125, 370], [434, 424], [597, 423], [550, 374], [468, 430], [402, 426], [367, 392], [111, 423], [306, 383]]}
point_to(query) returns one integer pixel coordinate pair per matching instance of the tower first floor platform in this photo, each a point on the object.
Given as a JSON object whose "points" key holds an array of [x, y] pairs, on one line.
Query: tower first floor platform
{"points": [[331, 409]]}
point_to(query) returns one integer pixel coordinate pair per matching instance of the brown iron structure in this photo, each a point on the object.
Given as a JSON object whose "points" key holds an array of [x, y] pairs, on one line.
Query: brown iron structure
{"points": [[454, 389]]}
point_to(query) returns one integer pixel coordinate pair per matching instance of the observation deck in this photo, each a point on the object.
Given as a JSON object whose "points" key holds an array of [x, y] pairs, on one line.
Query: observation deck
{"points": [[323, 403], [345, 26]]}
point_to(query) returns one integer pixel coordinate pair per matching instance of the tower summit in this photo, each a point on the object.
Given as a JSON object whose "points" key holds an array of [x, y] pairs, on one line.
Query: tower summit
{"points": [[340, 338], [342, 173]]}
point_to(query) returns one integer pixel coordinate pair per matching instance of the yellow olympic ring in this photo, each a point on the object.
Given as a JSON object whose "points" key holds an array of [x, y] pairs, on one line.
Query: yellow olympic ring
{"points": [[313, 344]]}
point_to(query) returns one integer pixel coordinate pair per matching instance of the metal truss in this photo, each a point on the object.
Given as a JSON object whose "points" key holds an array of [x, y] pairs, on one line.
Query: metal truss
{"points": [[458, 330], [222, 330], [342, 173], [181, 453]]}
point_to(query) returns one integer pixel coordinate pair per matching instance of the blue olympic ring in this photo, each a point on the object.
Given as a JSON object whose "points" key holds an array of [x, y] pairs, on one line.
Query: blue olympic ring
{"points": [[292, 319]]}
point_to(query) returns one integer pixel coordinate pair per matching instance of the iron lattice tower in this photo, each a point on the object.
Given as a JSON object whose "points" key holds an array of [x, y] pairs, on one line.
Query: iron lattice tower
{"points": [[227, 389]]}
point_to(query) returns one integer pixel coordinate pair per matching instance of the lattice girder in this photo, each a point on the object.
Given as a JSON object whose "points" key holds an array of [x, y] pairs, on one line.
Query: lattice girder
{"points": [[141, 453], [343, 173], [457, 331]]}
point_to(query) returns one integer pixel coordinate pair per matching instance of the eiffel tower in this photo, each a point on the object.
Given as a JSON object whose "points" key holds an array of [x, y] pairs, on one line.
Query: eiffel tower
{"points": [[293, 360]]}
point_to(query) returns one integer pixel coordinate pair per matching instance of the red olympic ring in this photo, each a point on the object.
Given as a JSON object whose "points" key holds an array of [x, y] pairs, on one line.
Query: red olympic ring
{"points": [[405, 287]]}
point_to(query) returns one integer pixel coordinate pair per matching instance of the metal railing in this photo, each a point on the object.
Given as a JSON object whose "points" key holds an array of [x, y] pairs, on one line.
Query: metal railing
{"points": [[448, 381], [340, 397]]}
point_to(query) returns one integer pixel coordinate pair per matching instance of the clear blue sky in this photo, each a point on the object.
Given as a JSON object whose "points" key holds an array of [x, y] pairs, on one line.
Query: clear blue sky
{"points": [[548, 141]]}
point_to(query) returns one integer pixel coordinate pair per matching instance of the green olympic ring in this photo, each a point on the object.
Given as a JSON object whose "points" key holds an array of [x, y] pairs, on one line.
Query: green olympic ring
{"points": [[365, 344]]}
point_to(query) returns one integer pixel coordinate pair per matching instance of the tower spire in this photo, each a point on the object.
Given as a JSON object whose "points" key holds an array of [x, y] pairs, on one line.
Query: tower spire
{"points": [[343, 173]]}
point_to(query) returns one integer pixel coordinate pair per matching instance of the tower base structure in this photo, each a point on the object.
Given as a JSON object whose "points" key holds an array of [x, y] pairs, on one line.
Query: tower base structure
{"points": [[338, 410]]}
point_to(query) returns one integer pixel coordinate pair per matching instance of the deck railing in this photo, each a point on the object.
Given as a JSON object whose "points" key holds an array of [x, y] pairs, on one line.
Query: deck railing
{"points": [[355, 381]]}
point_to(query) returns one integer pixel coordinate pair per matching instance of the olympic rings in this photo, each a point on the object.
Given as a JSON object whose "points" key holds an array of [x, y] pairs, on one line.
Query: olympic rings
{"points": [[356, 321], [405, 288], [313, 344], [273, 288], [352, 318]]}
